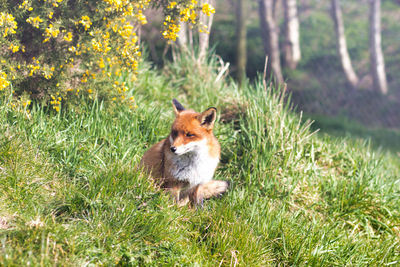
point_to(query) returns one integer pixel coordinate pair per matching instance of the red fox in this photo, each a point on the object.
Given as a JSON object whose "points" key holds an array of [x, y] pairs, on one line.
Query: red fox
{"points": [[184, 163]]}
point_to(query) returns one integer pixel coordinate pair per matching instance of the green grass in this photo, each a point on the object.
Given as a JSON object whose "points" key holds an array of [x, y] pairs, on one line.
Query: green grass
{"points": [[70, 193], [380, 138]]}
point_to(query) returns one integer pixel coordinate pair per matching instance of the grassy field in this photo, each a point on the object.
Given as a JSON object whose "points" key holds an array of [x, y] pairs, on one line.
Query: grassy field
{"points": [[70, 193], [384, 139]]}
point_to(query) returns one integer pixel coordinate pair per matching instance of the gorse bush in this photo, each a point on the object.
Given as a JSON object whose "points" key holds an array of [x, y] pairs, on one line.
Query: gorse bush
{"points": [[54, 50]]}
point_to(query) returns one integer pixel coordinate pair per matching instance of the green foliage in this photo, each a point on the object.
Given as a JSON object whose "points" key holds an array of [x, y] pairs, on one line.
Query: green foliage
{"points": [[56, 50], [60, 48], [318, 84], [71, 193]]}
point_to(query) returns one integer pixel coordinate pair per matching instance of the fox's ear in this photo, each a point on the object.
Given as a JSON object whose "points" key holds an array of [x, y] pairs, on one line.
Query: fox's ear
{"points": [[177, 106], [207, 118]]}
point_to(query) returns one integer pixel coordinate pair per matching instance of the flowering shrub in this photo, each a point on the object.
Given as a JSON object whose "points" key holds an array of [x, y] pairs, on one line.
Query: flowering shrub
{"points": [[58, 49], [186, 11]]}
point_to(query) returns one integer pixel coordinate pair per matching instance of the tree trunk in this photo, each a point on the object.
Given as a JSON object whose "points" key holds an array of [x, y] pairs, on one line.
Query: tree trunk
{"points": [[341, 44], [241, 55], [205, 36], [183, 36], [375, 47], [269, 31], [191, 39], [292, 34]]}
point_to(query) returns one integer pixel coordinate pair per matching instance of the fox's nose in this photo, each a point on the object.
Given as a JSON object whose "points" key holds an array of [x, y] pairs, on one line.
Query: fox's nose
{"points": [[173, 149]]}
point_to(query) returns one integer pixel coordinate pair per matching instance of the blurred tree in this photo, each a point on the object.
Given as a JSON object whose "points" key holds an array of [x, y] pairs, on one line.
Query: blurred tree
{"points": [[241, 32], [183, 36], [377, 64], [292, 34], [343, 54], [270, 36], [204, 36]]}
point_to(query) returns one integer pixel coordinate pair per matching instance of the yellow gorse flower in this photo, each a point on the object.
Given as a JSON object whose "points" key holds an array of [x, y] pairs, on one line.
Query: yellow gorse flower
{"points": [[23, 4], [172, 32], [101, 63], [141, 17], [14, 48], [85, 21], [68, 37], [50, 31], [188, 12], [34, 21], [208, 9], [185, 14], [7, 24], [3, 80], [26, 103], [56, 102], [172, 5]]}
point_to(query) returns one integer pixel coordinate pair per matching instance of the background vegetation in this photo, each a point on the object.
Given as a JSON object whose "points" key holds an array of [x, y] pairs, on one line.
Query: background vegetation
{"points": [[70, 192], [318, 84]]}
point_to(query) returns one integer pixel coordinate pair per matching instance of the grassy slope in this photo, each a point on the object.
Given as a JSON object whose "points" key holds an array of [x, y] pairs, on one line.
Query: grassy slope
{"points": [[70, 193], [380, 138]]}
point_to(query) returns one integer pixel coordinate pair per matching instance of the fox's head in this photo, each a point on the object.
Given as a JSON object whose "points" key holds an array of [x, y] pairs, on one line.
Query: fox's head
{"points": [[191, 131]]}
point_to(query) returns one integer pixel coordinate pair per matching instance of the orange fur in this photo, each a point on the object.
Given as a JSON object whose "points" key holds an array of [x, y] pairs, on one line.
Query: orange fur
{"points": [[190, 130]]}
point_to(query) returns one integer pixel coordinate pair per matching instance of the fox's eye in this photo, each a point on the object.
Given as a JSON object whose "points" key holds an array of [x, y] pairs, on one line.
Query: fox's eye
{"points": [[174, 133], [189, 135]]}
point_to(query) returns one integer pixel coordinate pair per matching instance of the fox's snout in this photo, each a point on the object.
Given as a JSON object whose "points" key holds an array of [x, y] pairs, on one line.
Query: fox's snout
{"points": [[173, 149], [176, 146], [183, 148]]}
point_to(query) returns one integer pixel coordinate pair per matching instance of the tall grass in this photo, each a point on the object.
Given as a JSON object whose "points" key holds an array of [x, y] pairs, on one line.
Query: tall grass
{"points": [[70, 192]]}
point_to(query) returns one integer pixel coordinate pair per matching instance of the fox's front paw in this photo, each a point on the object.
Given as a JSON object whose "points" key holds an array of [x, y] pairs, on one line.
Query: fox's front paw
{"points": [[213, 188], [221, 187], [183, 201]]}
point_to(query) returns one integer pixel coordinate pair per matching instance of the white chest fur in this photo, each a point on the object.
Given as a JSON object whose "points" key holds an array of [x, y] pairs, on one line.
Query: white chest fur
{"points": [[195, 167]]}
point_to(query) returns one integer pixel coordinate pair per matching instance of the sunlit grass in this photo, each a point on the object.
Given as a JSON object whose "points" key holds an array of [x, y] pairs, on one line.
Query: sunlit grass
{"points": [[70, 192]]}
